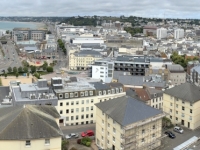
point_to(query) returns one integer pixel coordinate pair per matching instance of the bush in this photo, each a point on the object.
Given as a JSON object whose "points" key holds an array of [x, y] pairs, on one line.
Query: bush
{"points": [[79, 141], [49, 69], [85, 140], [88, 144]]}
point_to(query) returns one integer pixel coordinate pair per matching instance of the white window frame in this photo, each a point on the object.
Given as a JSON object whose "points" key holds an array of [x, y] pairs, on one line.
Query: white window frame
{"points": [[66, 95], [47, 142]]}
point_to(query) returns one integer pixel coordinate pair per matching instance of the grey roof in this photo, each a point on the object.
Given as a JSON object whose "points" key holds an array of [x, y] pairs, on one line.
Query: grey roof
{"points": [[30, 48], [100, 85], [29, 122], [196, 68], [4, 91], [88, 52], [127, 110], [186, 91]]}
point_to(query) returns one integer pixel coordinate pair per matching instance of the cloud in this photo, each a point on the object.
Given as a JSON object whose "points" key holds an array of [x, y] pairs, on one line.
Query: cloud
{"points": [[143, 8]]}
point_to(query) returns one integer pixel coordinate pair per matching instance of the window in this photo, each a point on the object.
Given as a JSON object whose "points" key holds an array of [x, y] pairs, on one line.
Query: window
{"points": [[143, 131], [102, 121], [72, 103], [143, 140], [102, 130], [60, 95], [76, 117], [121, 90], [82, 94], [153, 135], [86, 93], [191, 111], [77, 110], [82, 102], [171, 104], [155, 95], [102, 137], [183, 115], [61, 111], [91, 92], [61, 104], [109, 92], [77, 102], [117, 90], [72, 117], [108, 142], [67, 111], [176, 105], [153, 127], [87, 101], [66, 95], [114, 130], [113, 139], [113, 91], [183, 102], [171, 97], [108, 133], [91, 115], [176, 112], [71, 95], [76, 94], [91, 107], [108, 125], [190, 104], [72, 110], [82, 116], [113, 122], [87, 115], [28, 143], [170, 110], [87, 108], [82, 109], [47, 141], [91, 100], [183, 108], [176, 118], [100, 93], [190, 117], [67, 103], [104, 92]]}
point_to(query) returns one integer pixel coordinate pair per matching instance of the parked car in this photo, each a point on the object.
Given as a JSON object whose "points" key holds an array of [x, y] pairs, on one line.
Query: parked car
{"points": [[170, 134], [87, 133], [72, 135], [178, 129]]}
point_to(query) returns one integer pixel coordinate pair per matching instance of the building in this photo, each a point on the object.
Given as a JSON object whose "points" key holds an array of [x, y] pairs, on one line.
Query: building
{"points": [[176, 75], [24, 34], [178, 33], [103, 71], [182, 104], [84, 40], [194, 75], [151, 96], [77, 99], [80, 60], [33, 94], [127, 123], [161, 33], [29, 127], [150, 30]]}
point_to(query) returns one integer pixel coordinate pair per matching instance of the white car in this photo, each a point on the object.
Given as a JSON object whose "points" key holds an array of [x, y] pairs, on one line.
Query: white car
{"points": [[178, 129], [72, 135]]}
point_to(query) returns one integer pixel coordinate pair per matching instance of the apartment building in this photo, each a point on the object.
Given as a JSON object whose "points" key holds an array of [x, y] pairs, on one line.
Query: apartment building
{"points": [[194, 75], [23, 34], [151, 96], [161, 33], [29, 127], [178, 33], [127, 123], [182, 104], [80, 60], [76, 104]]}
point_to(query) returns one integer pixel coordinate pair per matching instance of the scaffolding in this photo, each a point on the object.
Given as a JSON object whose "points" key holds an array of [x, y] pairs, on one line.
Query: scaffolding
{"points": [[143, 135]]}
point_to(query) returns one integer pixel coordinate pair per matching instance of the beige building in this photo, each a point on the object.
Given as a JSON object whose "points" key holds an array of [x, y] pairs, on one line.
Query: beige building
{"points": [[126, 123], [29, 127], [76, 99], [182, 104], [80, 60]]}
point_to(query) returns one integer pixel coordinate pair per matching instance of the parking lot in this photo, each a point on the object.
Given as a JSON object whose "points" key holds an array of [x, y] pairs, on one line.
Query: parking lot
{"points": [[169, 144]]}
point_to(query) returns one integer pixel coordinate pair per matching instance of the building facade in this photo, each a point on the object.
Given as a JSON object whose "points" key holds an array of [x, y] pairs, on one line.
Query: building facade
{"points": [[161, 33], [182, 104], [178, 33], [119, 129], [77, 100]]}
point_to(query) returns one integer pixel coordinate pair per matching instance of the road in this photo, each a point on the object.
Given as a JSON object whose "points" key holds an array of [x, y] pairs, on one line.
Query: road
{"points": [[77, 128], [11, 58]]}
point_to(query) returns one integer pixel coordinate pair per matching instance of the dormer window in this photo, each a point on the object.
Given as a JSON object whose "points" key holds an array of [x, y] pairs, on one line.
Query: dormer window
{"points": [[104, 92], [100, 92]]}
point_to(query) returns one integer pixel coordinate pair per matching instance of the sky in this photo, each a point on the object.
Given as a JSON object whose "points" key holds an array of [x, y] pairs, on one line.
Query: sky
{"points": [[143, 8]]}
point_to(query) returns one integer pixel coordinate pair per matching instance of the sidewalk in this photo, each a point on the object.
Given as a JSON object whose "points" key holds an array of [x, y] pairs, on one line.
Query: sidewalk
{"points": [[93, 146]]}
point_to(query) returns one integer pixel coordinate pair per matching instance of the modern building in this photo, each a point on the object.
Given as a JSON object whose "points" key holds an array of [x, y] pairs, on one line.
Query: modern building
{"points": [[77, 99], [24, 34], [103, 71], [182, 104], [127, 123], [178, 33], [33, 94], [161, 33], [84, 40], [81, 59], [29, 127]]}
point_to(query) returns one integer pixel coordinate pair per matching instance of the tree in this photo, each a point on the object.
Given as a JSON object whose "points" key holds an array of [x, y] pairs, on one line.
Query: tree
{"points": [[49, 69], [16, 74], [33, 69], [25, 69], [37, 75], [166, 122], [44, 67], [5, 75], [9, 69], [48, 32], [28, 74], [65, 145], [14, 69], [7, 31], [20, 69]]}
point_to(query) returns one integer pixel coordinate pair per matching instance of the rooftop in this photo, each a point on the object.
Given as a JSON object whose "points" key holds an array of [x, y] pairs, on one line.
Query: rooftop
{"points": [[126, 110]]}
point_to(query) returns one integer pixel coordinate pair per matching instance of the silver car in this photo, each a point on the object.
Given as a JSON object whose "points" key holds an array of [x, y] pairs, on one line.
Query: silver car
{"points": [[178, 129], [72, 135]]}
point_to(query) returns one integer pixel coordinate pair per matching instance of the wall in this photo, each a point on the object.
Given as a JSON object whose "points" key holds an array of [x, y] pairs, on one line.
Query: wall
{"points": [[38, 144]]}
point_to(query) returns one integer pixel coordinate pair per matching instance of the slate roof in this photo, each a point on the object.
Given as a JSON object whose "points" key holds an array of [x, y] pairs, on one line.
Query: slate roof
{"points": [[29, 122], [88, 52], [186, 91], [126, 110]]}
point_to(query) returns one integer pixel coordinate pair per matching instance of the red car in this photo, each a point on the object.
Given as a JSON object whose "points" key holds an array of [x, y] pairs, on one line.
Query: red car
{"points": [[87, 133]]}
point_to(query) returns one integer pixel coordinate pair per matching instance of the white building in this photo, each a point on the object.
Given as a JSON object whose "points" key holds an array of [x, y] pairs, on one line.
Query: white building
{"points": [[87, 40], [161, 33], [178, 33], [103, 71]]}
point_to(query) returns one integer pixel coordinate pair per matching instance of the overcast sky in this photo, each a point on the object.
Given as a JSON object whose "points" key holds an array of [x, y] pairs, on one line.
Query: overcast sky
{"points": [[143, 8]]}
